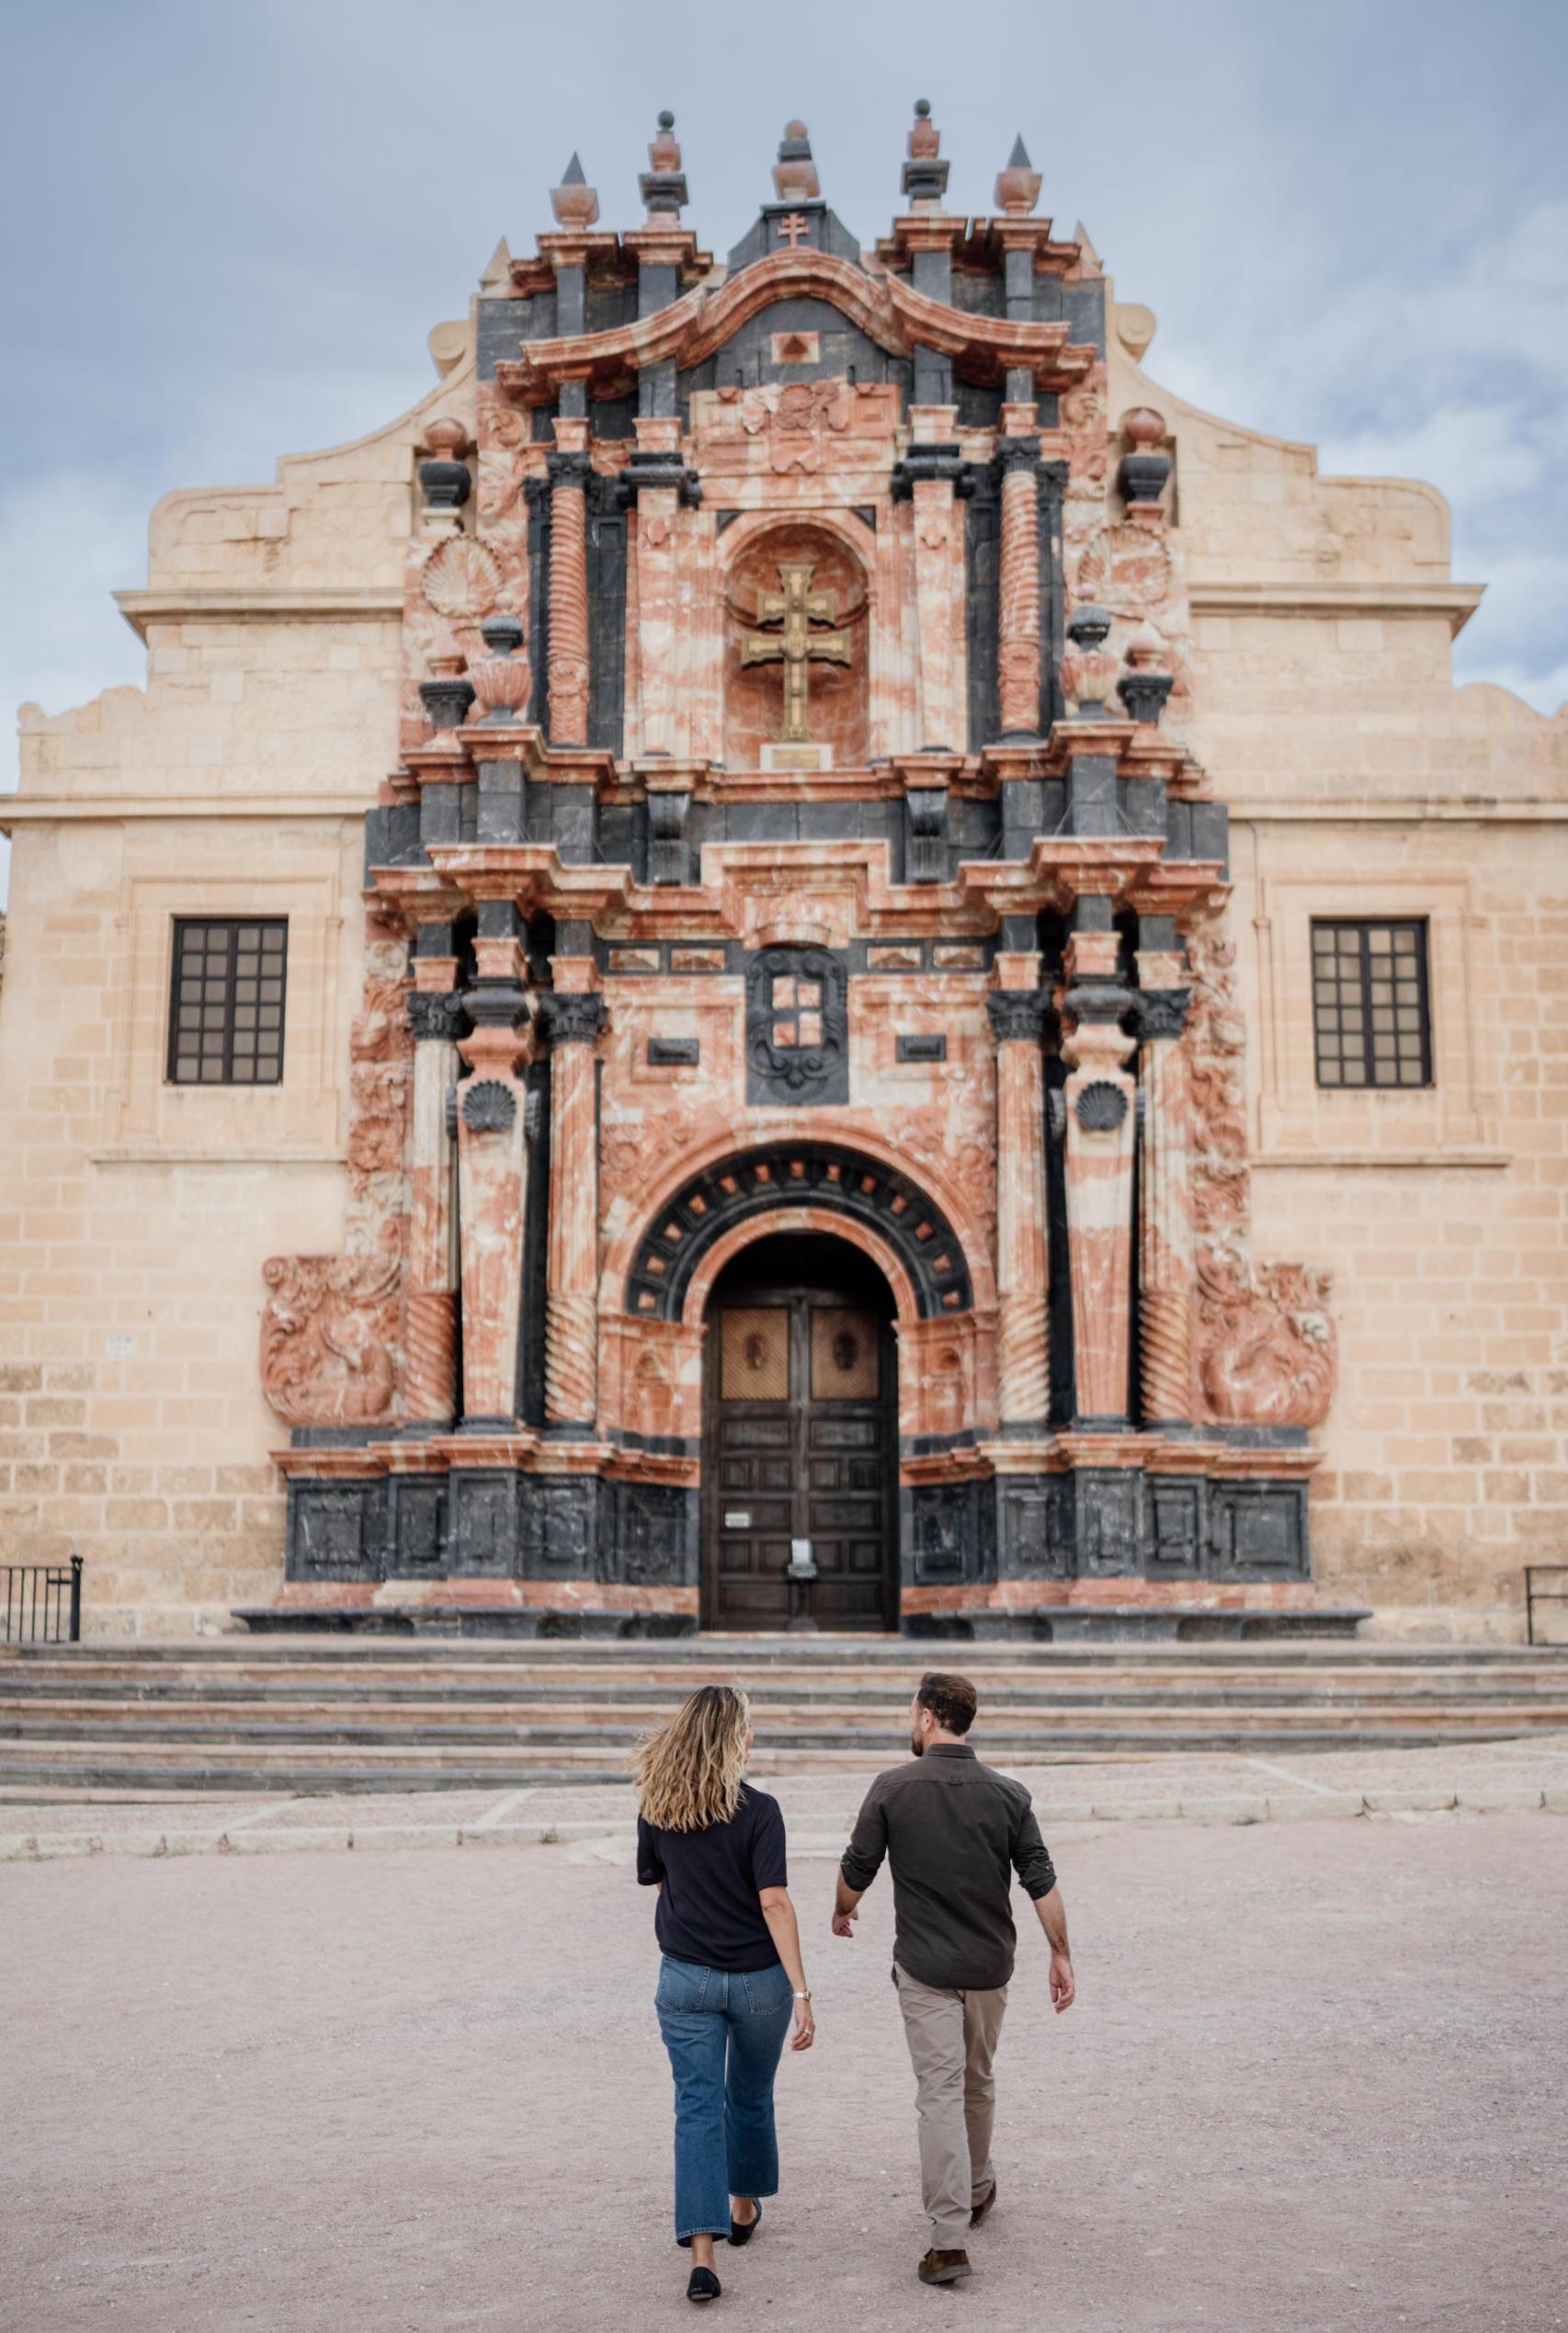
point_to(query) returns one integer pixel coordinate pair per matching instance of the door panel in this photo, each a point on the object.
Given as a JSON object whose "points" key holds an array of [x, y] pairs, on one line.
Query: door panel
{"points": [[800, 1443]]}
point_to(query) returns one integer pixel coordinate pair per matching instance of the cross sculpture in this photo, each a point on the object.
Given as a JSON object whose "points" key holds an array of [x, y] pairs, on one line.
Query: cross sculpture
{"points": [[796, 608]]}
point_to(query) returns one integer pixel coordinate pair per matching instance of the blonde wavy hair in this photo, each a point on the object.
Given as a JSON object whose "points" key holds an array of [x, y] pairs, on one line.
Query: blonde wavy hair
{"points": [[688, 1774]]}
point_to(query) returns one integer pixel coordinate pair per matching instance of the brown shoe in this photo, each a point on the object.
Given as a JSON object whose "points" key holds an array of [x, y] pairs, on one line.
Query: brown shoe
{"points": [[944, 2268], [977, 2216]]}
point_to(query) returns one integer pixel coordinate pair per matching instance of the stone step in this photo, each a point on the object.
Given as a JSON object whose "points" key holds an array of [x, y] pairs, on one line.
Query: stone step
{"points": [[1002, 1736], [804, 1654]]}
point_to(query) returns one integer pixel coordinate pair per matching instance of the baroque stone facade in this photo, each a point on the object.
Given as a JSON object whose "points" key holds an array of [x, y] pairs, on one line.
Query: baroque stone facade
{"points": [[753, 769]]}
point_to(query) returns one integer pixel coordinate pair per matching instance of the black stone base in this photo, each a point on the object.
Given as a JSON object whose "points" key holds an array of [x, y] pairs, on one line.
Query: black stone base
{"points": [[466, 1620], [1128, 1623]]}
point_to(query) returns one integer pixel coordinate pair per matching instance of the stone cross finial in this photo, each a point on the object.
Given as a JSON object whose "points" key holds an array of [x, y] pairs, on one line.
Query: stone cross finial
{"points": [[795, 174], [663, 185], [924, 179], [573, 201], [1018, 187]]}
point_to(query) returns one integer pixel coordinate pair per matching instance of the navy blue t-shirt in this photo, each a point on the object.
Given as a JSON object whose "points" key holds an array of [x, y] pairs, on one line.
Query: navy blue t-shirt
{"points": [[709, 1911]]}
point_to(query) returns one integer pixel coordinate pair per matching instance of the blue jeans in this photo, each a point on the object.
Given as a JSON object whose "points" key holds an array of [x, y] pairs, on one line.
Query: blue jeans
{"points": [[723, 2030]]}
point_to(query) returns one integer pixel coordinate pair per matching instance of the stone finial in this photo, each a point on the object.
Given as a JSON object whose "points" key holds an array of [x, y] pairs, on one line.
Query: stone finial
{"points": [[444, 480], [925, 179], [1018, 187], [1145, 684], [448, 692], [573, 201], [663, 185], [1143, 469], [795, 174], [1089, 669], [503, 680]]}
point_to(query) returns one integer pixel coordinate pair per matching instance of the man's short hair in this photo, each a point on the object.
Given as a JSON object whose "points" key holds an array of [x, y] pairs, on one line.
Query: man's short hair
{"points": [[952, 1700]]}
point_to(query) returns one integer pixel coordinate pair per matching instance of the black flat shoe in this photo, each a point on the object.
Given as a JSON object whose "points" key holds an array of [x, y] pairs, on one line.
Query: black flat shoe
{"points": [[741, 2231], [703, 2285]]}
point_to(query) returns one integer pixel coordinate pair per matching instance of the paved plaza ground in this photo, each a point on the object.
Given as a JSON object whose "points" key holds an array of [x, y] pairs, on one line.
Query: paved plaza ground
{"points": [[1314, 2080]]}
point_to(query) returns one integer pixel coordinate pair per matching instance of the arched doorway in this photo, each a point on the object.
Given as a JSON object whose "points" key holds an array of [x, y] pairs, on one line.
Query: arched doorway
{"points": [[800, 1443]]}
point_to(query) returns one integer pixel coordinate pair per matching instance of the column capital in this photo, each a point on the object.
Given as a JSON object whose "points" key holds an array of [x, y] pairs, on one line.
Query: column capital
{"points": [[572, 1018], [1019, 1016], [1017, 453], [1159, 1013], [569, 467], [435, 1016]]}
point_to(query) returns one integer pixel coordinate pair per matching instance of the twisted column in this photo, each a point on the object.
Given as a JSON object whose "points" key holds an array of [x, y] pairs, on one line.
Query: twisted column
{"points": [[431, 1330], [1165, 1259], [492, 1177], [1018, 1018], [566, 667], [571, 1328], [1017, 650]]}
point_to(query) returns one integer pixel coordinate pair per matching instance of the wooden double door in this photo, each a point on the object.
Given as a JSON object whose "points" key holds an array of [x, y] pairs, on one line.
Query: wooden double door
{"points": [[799, 1448]]}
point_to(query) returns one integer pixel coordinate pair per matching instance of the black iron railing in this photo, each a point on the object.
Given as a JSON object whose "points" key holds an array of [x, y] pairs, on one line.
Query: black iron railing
{"points": [[1534, 1595], [41, 1602]]}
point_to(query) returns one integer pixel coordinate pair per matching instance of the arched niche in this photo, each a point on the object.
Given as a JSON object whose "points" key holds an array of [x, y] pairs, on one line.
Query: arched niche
{"points": [[839, 586]]}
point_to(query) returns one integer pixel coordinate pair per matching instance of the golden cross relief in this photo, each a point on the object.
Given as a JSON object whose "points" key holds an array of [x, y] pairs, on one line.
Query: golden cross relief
{"points": [[795, 644]]}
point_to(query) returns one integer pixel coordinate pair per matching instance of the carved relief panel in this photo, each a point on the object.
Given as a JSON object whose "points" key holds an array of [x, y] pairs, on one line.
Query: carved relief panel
{"points": [[796, 1027]]}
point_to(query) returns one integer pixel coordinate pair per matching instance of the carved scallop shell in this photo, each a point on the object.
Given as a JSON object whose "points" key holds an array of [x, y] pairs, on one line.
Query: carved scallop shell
{"points": [[461, 579]]}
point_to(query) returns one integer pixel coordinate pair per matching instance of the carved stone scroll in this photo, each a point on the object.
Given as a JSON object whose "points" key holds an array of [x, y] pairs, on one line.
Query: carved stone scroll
{"points": [[328, 1330]]}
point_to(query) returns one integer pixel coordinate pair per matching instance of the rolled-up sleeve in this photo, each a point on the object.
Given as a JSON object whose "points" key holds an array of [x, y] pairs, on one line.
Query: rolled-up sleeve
{"points": [[650, 1869], [1031, 1856], [868, 1842]]}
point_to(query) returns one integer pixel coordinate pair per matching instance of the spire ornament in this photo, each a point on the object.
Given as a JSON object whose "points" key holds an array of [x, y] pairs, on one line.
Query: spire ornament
{"points": [[925, 176], [573, 201], [663, 185], [795, 174], [1018, 187]]}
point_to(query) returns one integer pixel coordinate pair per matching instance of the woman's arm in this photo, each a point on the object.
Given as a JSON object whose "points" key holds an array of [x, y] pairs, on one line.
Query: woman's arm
{"points": [[782, 1926]]}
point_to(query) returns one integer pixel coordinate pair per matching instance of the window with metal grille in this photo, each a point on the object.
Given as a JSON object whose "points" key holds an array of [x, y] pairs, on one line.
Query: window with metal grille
{"points": [[1371, 1020], [226, 1002]]}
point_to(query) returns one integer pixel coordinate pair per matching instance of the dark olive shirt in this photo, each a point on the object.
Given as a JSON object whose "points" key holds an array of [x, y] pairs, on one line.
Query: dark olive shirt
{"points": [[955, 1831]]}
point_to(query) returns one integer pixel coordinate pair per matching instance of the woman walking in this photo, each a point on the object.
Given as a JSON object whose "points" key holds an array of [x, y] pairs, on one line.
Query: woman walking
{"points": [[731, 1980]]}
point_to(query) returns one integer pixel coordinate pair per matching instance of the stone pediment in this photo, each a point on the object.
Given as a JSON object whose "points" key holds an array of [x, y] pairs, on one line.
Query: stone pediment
{"points": [[886, 309]]}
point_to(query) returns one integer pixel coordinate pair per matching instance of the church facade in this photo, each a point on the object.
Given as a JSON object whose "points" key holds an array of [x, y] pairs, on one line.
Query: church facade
{"points": [[801, 955]]}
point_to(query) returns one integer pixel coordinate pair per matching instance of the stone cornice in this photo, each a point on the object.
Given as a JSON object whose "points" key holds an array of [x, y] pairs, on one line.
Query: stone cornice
{"points": [[884, 308], [259, 603], [1455, 601]]}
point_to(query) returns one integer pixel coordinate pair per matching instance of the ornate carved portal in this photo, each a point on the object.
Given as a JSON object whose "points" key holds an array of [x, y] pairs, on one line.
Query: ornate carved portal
{"points": [[836, 932]]}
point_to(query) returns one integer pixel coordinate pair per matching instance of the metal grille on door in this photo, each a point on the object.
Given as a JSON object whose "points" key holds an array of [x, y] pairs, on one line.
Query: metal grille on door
{"points": [[754, 1354], [844, 1355]]}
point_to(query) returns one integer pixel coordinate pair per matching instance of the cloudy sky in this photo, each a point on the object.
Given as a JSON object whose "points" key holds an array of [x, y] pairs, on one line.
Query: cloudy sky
{"points": [[227, 230]]}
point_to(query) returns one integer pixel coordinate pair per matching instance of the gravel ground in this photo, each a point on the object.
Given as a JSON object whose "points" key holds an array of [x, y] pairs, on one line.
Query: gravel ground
{"points": [[1313, 2080]]}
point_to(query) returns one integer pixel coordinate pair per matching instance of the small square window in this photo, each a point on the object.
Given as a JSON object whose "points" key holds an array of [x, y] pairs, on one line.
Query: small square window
{"points": [[226, 1002], [1371, 1017]]}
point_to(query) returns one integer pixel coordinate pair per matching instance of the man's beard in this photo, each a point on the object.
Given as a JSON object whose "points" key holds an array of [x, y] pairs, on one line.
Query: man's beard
{"points": [[917, 1745]]}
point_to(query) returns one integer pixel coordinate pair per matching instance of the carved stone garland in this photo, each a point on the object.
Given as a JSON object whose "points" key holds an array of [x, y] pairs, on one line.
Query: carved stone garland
{"points": [[1267, 1350]]}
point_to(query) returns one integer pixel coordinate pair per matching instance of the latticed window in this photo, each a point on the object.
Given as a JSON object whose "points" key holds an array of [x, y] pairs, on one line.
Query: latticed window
{"points": [[1371, 1017], [797, 1011], [226, 1007]]}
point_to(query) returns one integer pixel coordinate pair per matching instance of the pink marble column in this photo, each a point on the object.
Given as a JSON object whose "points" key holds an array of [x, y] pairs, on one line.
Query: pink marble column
{"points": [[1022, 1263], [571, 1334], [567, 668], [931, 465], [1018, 655], [1165, 1267], [430, 1375], [658, 520], [491, 1182], [1100, 1116]]}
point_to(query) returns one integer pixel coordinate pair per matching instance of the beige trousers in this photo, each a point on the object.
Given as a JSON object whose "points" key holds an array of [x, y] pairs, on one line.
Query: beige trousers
{"points": [[952, 2040]]}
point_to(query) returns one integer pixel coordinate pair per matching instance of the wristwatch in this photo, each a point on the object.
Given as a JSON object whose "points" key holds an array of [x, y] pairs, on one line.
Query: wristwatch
{"points": [[802, 1997]]}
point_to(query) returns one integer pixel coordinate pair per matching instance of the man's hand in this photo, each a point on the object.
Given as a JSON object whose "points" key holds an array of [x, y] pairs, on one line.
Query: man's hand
{"points": [[1063, 1992], [844, 1923]]}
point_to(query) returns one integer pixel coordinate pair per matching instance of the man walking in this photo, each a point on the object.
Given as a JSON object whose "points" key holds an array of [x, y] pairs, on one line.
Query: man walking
{"points": [[955, 1831]]}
